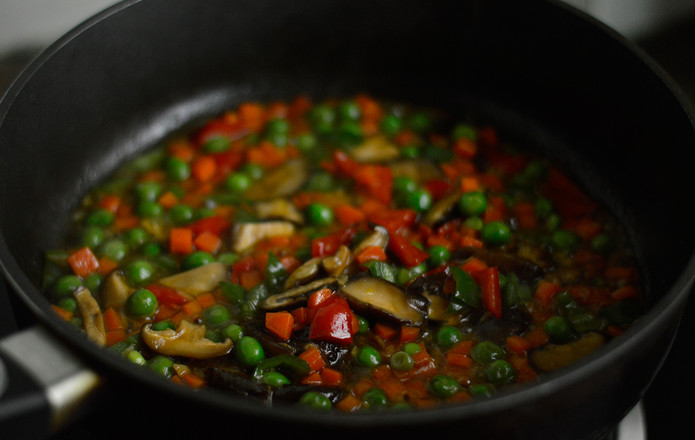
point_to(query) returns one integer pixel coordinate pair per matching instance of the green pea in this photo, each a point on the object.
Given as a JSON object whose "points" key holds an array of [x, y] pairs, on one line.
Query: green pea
{"points": [[238, 182], [495, 233], [404, 184], [602, 243], [564, 240], [68, 303], [93, 282], [181, 214], [275, 379], [315, 400], [66, 285], [410, 152], [349, 132], [368, 356], [177, 169], [136, 237], [375, 398], [148, 191], [92, 236], [322, 118], [485, 352], [500, 372], [444, 386], [447, 336], [161, 365], [216, 315], [278, 125], [228, 257], [473, 203], [234, 332], [321, 181], [391, 124], [481, 390], [114, 249], [412, 348], [149, 209], [253, 170], [543, 207], [401, 361], [213, 335], [163, 325], [139, 272], [142, 303], [100, 218], [558, 328], [349, 110], [419, 200], [196, 259], [135, 357], [464, 131], [217, 144], [420, 122], [306, 142], [438, 255], [363, 325], [151, 249], [474, 222], [319, 214], [249, 351]]}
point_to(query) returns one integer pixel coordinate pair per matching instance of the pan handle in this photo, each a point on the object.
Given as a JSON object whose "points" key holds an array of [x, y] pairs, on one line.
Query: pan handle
{"points": [[43, 385]]}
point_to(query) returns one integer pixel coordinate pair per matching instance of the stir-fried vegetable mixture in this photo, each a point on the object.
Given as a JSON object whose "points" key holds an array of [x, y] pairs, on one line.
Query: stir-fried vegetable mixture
{"points": [[348, 254]]}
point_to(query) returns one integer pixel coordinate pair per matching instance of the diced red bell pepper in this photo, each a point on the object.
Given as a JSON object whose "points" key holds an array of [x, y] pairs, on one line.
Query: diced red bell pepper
{"points": [[328, 245], [394, 219], [166, 295], [220, 128], [409, 254], [490, 291], [215, 225], [333, 322]]}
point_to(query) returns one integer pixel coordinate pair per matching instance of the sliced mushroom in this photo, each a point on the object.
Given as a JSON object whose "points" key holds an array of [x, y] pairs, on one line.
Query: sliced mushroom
{"points": [[336, 264], [371, 295], [380, 237], [187, 340], [195, 282], [375, 149], [298, 294], [281, 209], [306, 272], [92, 318], [280, 182], [555, 356], [245, 235], [417, 169], [115, 290], [441, 209]]}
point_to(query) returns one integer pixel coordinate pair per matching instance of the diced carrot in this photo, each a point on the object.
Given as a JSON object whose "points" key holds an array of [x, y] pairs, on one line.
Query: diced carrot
{"points": [[348, 215], [122, 223], [371, 253], [313, 357], [525, 213], [624, 292], [110, 203], [313, 378], [395, 389], [381, 373], [319, 297], [193, 380], [467, 241], [245, 264], [206, 300], [587, 228], [620, 273], [439, 240], [545, 291], [362, 386], [463, 347], [83, 262], [280, 324], [204, 168], [384, 331], [176, 379], [465, 148], [192, 308], [106, 265], [181, 240], [112, 320], [469, 184], [165, 312], [66, 315], [517, 344], [181, 150], [115, 336], [208, 242], [301, 317], [536, 337], [473, 266], [409, 334], [349, 403], [168, 200], [331, 377], [250, 279], [458, 360], [252, 115]]}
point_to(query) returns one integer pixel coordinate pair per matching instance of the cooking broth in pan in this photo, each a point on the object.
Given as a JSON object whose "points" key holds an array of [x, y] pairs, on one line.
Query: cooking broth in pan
{"points": [[349, 254]]}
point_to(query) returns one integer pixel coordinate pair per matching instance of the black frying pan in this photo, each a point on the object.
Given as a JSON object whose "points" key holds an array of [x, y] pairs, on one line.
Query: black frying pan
{"points": [[544, 73]]}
